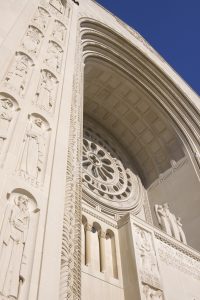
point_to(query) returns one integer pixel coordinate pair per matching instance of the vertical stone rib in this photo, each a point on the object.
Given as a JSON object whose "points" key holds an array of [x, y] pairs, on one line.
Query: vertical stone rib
{"points": [[70, 277]]}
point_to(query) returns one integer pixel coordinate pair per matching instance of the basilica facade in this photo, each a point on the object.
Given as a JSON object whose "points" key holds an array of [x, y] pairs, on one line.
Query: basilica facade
{"points": [[99, 160]]}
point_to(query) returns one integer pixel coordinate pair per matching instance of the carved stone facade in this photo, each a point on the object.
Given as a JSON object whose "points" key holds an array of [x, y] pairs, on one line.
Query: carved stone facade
{"points": [[94, 127]]}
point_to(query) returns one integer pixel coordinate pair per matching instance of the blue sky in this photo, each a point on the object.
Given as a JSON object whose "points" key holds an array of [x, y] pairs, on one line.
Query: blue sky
{"points": [[172, 27]]}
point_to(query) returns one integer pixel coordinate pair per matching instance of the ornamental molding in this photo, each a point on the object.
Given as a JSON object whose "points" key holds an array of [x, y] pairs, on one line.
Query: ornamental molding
{"points": [[176, 166], [174, 257], [100, 218], [186, 250]]}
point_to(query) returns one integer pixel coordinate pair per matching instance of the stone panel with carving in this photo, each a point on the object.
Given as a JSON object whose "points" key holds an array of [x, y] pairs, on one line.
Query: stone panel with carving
{"points": [[41, 18], [33, 155], [17, 77], [32, 40], [17, 229], [54, 56], [59, 31], [8, 108], [45, 97], [146, 258]]}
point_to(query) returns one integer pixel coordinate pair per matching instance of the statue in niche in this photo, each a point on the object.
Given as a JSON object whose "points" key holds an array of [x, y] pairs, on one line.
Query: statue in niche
{"points": [[33, 154], [17, 76], [41, 18], [181, 232], [6, 115], [13, 236], [58, 5], [169, 223], [54, 56], [32, 40], [46, 94], [59, 31], [148, 262], [151, 294]]}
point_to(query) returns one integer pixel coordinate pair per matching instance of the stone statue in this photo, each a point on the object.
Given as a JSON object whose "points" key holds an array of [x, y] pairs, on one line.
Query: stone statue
{"points": [[33, 155], [59, 31], [17, 76], [163, 219], [13, 235], [32, 40], [46, 94], [147, 255], [6, 115], [169, 223], [181, 232], [54, 56]]}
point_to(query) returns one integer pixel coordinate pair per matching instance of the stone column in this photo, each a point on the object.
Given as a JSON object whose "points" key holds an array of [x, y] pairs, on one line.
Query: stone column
{"points": [[102, 237], [88, 229]]}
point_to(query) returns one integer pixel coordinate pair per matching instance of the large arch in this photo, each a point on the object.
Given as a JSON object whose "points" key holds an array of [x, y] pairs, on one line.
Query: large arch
{"points": [[139, 104]]}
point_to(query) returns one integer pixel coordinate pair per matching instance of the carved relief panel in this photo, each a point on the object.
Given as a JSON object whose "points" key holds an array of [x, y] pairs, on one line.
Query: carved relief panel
{"points": [[54, 56], [18, 230], [32, 40], [146, 258], [41, 18], [33, 154], [18, 74], [8, 109], [59, 31], [47, 91]]}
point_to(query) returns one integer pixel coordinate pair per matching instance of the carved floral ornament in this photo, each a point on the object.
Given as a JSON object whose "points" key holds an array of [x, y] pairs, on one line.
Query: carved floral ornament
{"points": [[106, 180]]}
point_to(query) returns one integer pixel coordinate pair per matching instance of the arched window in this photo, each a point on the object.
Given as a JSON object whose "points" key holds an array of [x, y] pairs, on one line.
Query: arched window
{"points": [[83, 240], [95, 247], [111, 254]]}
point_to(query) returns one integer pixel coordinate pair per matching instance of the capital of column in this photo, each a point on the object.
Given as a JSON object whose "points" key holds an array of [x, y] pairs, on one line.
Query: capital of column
{"points": [[88, 227], [102, 234]]}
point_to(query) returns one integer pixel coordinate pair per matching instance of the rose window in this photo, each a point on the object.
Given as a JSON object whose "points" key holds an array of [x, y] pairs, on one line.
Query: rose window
{"points": [[105, 178]]}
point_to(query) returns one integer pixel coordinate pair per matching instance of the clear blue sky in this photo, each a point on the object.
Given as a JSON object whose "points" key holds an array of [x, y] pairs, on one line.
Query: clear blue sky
{"points": [[172, 27]]}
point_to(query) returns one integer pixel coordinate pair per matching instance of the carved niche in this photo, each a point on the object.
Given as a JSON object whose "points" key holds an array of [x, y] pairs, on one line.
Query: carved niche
{"points": [[8, 108], [41, 18], [59, 31], [46, 91], [17, 236], [18, 74], [32, 40], [54, 56], [33, 155], [146, 258]]}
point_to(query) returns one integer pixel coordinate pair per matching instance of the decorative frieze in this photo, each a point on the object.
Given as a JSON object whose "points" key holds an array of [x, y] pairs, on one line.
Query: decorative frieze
{"points": [[179, 260]]}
